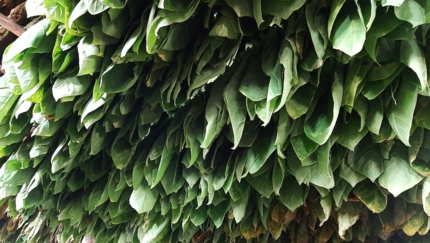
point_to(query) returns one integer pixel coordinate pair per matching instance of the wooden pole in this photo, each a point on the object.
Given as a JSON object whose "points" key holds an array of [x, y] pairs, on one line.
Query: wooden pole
{"points": [[8, 24]]}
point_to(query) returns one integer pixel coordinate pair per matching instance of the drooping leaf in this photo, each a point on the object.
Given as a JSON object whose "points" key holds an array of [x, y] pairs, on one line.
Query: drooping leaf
{"points": [[347, 216], [143, 199], [373, 197], [235, 103], [398, 176], [400, 111], [320, 124], [349, 32]]}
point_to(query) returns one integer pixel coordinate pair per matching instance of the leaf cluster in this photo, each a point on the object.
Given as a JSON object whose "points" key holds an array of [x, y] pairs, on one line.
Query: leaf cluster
{"points": [[218, 121]]}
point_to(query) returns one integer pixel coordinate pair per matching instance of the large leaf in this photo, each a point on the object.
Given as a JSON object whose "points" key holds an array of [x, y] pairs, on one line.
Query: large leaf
{"points": [[347, 215], [258, 155], [367, 160], [216, 115], [70, 87], [400, 111], [295, 198], [412, 12], [320, 124], [412, 55], [281, 9], [29, 39], [373, 197], [349, 32], [235, 102], [398, 176], [143, 199]]}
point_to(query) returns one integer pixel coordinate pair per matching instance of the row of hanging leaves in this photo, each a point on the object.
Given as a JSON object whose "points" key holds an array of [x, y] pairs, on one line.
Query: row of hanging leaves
{"points": [[217, 121]]}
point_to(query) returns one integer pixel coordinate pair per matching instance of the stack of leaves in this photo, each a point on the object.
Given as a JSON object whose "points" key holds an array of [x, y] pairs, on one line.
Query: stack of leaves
{"points": [[218, 121]]}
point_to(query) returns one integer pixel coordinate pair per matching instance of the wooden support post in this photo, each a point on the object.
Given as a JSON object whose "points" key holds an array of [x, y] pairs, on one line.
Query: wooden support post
{"points": [[8, 24]]}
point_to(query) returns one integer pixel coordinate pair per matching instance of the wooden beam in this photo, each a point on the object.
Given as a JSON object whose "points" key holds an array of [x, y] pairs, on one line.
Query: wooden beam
{"points": [[8, 24]]}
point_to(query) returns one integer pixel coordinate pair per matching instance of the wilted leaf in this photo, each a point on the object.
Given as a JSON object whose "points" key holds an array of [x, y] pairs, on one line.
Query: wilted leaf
{"points": [[371, 196]]}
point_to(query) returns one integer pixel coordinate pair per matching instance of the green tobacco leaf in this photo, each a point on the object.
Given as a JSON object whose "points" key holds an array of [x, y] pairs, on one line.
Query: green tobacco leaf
{"points": [[295, 198], [27, 76], [118, 4], [310, 171], [303, 146], [7, 98], [367, 160], [351, 176], [400, 111], [382, 71], [199, 215], [172, 180], [368, 9], [398, 176], [301, 100], [216, 115], [204, 77], [350, 135], [156, 94], [412, 12], [278, 175], [412, 55], [239, 206], [371, 90], [385, 22], [70, 87], [257, 12], [283, 129], [217, 213], [416, 141], [395, 3], [122, 152], [318, 30], [165, 18], [235, 103], [143, 199], [90, 59], [242, 8], [48, 128], [271, 65], [334, 12], [258, 154], [261, 184], [95, 7], [127, 73], [281, 9], [166, 157], [34, 8], [255, 83], [32, 38], [370, 194], [320, 124], [375, 115], [324, 159], [357, 70], [349, 32], [288, 59], [153, 231]]}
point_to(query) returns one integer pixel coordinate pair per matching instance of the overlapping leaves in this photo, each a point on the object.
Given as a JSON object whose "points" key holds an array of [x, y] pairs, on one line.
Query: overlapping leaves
{"points": [[179, 121]]}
